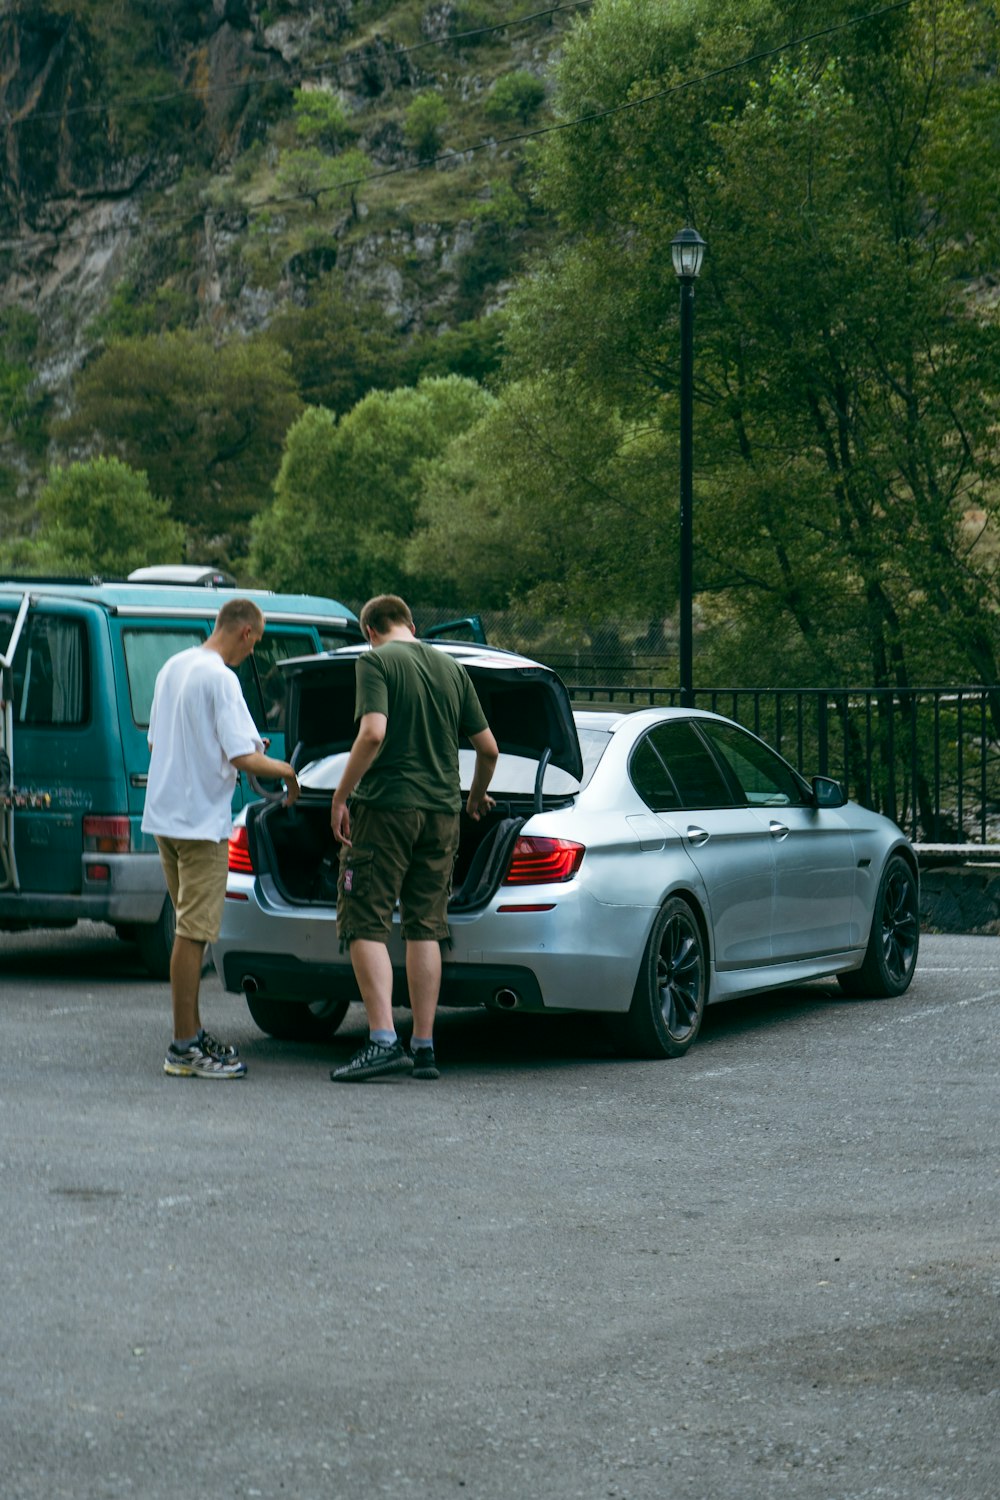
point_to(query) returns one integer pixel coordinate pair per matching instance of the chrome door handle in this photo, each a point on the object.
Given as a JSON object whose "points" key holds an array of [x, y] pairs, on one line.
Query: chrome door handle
{"points": [[778, 830], [696, 836]]}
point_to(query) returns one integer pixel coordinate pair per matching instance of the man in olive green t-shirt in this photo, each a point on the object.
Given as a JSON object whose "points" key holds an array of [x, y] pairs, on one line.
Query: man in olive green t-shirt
{"points": [[413, 706]]}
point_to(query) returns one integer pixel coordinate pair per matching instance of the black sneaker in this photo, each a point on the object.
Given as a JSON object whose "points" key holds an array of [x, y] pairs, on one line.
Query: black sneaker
{"points": [[218, 1049], [197, 1062], [375, 1060], [424, 1065]]}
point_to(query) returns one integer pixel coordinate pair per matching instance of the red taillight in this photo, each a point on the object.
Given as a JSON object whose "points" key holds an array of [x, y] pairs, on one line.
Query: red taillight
{"points": [[537, 861], [239, 852], [106, 835]]}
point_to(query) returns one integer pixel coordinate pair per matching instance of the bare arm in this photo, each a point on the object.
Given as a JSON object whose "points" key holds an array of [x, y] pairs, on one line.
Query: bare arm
{"points": [[368, 743], [486, 750], [259, 764]]}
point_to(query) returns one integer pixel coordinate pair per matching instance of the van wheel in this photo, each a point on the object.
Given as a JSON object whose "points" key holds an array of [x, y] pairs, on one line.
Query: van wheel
{"points": [[156, 941], [297, 1020]]}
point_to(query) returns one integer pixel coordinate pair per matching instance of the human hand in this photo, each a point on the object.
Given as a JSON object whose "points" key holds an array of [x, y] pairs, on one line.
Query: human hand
{"points": [[483, 804], [340, 822], [292, 787]]}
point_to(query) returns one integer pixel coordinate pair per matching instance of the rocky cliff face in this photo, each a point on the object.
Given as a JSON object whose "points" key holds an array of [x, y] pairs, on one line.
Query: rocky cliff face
{"points": [[118, 146]]}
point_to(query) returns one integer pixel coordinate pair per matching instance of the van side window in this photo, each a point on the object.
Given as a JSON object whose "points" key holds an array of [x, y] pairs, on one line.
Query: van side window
{"points": [[145, 652], [50, 672]]}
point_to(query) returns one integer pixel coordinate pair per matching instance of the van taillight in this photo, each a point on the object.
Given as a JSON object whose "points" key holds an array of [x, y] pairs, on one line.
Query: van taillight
{"points": [[106, 835], [538, 861], [239, 851]]}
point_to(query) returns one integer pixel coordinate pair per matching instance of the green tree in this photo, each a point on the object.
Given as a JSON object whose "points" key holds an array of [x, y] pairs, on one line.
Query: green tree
{"points": [[339, 349], [310, 173], [847, 383], [346, 496], [546, 504], [423, 123], [100, 517], [206, 423]]}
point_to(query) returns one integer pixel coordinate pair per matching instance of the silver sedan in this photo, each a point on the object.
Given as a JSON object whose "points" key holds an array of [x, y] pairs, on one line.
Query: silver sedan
{"points": [[638, 865]]}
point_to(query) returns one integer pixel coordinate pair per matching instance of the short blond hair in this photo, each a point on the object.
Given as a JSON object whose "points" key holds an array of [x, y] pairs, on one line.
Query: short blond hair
{"points": [[236, 613]]}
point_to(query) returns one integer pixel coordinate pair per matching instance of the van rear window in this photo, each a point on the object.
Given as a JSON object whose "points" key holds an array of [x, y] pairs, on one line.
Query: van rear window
{"points": [[145, 652], [50, 675]]}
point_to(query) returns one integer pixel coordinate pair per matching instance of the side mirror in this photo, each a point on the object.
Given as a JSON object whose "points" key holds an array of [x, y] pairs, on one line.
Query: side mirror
{"points": [[827, 792]]}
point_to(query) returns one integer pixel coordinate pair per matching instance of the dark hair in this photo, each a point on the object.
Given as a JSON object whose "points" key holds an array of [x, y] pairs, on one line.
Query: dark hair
{"points": [[383, 612], [236, 613]]}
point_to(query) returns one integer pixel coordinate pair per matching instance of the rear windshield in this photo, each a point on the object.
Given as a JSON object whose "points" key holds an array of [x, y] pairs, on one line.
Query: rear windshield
{"points": [[514, 775], [49, 679]]}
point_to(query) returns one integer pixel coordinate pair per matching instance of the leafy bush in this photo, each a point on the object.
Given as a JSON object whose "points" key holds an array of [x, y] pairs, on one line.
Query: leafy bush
{"points": [[321, 119], [515, 96]]}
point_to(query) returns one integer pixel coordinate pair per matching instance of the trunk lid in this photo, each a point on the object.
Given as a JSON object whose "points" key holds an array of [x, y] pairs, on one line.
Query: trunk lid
{"points": [[527, 705]]}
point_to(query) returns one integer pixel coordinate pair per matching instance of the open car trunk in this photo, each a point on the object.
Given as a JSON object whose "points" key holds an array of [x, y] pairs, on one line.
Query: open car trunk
{"points": [[526, 705], [295, 845]]}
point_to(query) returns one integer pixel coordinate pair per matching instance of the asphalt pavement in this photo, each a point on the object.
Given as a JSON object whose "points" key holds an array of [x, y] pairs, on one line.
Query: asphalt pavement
{"points": [[770, 1268]]}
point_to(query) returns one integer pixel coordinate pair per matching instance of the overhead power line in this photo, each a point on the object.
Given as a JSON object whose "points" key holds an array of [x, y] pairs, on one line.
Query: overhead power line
{"points": [[493, 144], [597, 114]]}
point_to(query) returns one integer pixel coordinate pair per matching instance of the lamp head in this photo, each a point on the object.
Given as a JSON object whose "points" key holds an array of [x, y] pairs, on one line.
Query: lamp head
{"points": [[687, 249]]}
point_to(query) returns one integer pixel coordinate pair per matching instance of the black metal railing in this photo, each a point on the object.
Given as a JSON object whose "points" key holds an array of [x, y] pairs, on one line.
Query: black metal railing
{"points": [[929, 758]]}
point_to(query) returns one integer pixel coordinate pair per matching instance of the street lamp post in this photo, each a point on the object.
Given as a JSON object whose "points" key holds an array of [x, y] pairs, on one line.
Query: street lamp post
{"points": [[687, 249]]}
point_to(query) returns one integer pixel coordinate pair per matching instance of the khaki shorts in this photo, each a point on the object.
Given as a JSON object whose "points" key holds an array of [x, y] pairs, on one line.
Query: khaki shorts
{"points": [[196, 871], [399, 854]]}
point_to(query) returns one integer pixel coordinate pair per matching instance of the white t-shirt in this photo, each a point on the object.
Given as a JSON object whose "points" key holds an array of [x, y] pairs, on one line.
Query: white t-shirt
{"points": [[198, 722]]}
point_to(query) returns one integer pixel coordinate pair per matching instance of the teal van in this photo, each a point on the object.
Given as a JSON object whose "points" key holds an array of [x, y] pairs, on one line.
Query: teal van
{"points": [[78, 661]]}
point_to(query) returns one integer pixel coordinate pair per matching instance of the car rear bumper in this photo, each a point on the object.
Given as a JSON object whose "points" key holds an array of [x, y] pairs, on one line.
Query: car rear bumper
{"points": [[577, 956], [283, 976]]}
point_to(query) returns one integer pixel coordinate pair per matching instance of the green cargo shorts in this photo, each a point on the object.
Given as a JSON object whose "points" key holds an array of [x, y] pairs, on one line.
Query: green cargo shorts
{"points": [[403, 854]]}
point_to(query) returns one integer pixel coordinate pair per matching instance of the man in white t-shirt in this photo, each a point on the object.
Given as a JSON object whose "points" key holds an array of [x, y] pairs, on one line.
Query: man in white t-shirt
{"points": [[201, 735]]}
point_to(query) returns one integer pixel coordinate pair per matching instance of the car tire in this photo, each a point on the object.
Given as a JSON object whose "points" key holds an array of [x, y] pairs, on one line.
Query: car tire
{"points": [[297, 1020], [891, 956], [155, 941], [672, 988]]}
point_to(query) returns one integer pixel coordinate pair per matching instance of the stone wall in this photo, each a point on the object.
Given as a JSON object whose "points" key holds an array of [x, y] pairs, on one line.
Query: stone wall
{"points": [[960, 898]]}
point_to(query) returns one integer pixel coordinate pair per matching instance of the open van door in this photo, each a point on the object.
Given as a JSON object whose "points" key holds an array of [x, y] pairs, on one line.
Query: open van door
{"points": [[8, 863], [468, 628]]}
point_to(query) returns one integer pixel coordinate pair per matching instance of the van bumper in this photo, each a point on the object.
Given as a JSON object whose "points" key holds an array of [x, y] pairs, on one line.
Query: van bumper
{"points": [[133, 892]]}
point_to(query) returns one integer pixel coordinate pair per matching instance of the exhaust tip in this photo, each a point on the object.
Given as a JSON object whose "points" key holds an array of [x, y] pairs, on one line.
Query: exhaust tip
{"points": [[506, 999], [249, 985]]}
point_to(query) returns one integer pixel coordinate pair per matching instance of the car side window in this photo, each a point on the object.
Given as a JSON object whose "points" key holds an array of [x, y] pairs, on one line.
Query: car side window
{"points": [[146, 651], [693, 770], [765, 778], [651, 778]]}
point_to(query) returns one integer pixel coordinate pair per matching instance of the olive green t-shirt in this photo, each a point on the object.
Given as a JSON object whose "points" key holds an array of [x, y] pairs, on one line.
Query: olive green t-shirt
{"points": [[431, 706]]}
